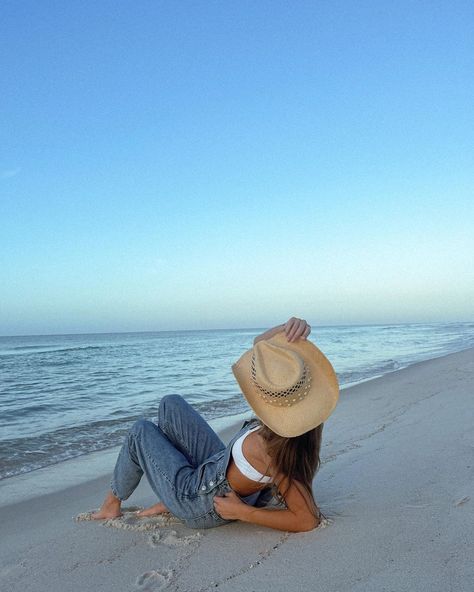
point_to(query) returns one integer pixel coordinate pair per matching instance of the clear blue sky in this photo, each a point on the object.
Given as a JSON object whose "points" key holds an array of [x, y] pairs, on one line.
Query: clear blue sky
{"points": [[168, 165]]}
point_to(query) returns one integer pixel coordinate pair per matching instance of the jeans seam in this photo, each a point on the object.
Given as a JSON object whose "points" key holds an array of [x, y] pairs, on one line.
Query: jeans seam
{"points": [[157, 468], [167, 427]]}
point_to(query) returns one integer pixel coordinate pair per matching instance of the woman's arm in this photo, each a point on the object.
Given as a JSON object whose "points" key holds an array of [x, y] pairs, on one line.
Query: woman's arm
{"points": [[279, 519], [294, 329], [296, 518], [270, 333]]}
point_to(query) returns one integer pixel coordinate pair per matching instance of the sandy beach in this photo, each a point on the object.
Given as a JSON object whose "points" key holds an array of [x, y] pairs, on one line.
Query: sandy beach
{"points": [[396, 483]]}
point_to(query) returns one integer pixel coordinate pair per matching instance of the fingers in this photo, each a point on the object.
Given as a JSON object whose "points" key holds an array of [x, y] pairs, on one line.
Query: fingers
{"points": [[225, 494], [289, 325], [307, 332], [296, 328], [220, 498]]}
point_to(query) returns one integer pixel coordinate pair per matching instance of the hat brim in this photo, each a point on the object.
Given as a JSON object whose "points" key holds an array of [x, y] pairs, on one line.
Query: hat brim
{"points": [[304, 415]]}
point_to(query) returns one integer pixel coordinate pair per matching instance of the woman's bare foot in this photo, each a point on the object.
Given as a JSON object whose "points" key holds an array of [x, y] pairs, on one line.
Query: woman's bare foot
{"points": [[109, 509], [152, 510]]}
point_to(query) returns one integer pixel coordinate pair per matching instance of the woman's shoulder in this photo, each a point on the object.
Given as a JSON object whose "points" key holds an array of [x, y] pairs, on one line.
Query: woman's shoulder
{"points": [[255, 447]]}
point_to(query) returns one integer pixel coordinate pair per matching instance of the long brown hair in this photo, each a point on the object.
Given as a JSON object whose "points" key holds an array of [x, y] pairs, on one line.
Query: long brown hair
{"points": [[297, 458]]}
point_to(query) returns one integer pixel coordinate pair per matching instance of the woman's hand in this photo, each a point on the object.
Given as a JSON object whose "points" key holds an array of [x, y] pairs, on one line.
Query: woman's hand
{"points": [[296, 329], [229, 506]]}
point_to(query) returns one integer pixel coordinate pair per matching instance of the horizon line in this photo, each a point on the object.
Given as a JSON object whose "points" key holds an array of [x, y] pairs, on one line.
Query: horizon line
{"points": [[227, 329]]}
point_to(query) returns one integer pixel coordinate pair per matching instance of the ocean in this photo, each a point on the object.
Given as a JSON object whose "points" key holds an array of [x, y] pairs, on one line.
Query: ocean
{"points": [[62, 396]]}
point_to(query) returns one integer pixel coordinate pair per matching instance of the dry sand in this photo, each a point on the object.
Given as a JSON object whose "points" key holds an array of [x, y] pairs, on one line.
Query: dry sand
{"points": [[397, 484]]}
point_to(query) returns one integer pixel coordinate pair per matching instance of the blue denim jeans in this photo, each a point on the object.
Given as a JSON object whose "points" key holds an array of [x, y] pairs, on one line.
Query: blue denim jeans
{"points": [[184, 461]]}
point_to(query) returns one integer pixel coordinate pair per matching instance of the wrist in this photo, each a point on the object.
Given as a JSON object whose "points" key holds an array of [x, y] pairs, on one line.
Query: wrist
{"points": [[245, 512], [277, 329], [269, 333]]}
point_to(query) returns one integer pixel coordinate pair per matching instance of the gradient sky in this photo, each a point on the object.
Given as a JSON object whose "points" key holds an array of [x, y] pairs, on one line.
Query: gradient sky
{"points": [[169, 165]]}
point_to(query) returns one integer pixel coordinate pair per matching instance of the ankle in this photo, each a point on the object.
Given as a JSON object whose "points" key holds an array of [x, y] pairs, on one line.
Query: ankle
{"points": [[112, 500]]}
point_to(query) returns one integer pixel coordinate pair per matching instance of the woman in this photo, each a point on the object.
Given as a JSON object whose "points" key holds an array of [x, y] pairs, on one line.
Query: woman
{"points": [[264, 475]]}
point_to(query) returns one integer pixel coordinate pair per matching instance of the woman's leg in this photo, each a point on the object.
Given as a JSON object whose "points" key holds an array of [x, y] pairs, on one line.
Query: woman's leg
{"points": [[110, 508], [188, 430], [181, 440], [147, 450]]}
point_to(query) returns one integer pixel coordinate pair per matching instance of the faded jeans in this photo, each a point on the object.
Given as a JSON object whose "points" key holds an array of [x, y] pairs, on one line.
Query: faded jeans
{"points": [[184, 461]]}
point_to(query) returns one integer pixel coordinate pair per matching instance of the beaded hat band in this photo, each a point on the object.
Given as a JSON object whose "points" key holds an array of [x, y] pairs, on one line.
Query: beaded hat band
{"points": [[288, 396]]}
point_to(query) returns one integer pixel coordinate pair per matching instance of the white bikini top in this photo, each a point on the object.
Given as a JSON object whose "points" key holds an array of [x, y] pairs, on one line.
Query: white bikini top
{"points": [[242, 463]]}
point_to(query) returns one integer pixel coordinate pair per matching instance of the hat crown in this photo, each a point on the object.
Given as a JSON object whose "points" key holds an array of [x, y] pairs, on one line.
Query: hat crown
{"points": [[277, 368]]}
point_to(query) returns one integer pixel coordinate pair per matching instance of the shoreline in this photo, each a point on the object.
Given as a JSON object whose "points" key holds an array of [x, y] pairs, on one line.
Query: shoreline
{"points": [[81, 469], [95, 465], [66, 396], [86, 406], [396, 484]]}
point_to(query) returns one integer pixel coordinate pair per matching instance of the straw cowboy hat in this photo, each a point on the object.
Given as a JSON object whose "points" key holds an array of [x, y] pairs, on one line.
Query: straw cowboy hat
{"points": [[291, 386]]}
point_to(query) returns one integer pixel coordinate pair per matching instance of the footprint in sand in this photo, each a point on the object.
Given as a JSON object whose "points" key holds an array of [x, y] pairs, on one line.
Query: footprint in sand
{"points": [[171, 539], [153, 580]]}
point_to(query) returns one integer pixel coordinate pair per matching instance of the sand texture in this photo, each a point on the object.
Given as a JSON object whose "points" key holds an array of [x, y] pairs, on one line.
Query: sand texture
{"points": [[130, 521], [396, 486]]}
